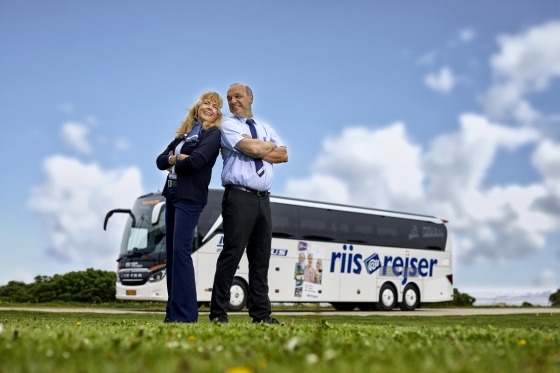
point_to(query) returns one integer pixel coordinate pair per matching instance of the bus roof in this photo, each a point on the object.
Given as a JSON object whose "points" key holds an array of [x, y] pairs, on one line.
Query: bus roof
{"points": [[332, 206], [349, 208]]}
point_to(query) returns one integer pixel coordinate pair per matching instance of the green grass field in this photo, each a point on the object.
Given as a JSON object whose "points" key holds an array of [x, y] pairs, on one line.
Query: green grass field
{"points": [[93, 342]]}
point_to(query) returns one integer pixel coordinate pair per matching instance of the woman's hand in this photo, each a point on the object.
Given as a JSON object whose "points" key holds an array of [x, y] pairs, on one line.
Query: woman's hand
{"points": [[173, 159]]}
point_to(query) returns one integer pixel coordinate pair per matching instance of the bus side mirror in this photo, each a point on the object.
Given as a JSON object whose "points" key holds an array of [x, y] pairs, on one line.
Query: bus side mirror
{"points": [[156, 212], [110, 213]]}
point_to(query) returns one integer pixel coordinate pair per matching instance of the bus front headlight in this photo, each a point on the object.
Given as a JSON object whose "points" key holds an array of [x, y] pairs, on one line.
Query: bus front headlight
{"points": [[157, 276]]}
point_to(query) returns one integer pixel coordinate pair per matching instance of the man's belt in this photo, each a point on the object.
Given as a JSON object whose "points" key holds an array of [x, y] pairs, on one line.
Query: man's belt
{"points": [[260, 193]]}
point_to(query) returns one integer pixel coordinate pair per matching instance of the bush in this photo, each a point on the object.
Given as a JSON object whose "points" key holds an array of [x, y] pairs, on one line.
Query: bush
{"points": [[462, 299], [15, 291], [89, 286], [459, 300], [555, 298]]}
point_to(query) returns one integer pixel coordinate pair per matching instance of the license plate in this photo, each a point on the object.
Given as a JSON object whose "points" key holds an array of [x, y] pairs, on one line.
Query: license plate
{"points": [[131, 292]]}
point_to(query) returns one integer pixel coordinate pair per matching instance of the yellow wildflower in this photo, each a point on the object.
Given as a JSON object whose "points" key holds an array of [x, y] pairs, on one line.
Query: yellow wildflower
{"points": [[239, 370]]}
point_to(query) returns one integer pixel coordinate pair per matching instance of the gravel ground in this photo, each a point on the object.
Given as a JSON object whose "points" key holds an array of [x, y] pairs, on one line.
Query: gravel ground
{"points": [[418, 312]]}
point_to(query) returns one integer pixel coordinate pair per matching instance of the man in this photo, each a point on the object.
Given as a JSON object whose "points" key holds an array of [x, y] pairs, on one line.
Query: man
{"points": [[249, 150]]}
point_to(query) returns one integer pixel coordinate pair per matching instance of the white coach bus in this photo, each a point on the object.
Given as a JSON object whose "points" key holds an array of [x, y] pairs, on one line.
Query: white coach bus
{"points": [[321, 252]]}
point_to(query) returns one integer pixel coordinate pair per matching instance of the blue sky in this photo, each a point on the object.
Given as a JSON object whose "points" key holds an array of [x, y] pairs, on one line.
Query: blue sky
{"points": [[449, 108]]}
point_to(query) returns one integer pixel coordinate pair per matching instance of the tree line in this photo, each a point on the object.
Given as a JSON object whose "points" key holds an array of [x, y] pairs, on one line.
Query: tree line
{"points": [[89, 286]]}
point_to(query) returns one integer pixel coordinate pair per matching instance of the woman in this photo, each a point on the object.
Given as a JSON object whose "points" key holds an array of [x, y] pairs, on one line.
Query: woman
{"points": [[189, 158]]}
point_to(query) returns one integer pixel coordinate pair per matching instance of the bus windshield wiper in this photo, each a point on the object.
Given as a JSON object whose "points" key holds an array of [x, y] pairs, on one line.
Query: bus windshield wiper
{"points": [[134, 253]]}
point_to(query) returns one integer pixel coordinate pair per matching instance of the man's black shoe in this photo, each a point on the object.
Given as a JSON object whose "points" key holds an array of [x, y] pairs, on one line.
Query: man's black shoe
{"points": [[266, 320], [220, 320]]}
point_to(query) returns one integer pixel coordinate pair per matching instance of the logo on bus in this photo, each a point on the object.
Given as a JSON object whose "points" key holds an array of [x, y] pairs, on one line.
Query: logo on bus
{"points": [[276, 252], [348, 262], [373, 263]]}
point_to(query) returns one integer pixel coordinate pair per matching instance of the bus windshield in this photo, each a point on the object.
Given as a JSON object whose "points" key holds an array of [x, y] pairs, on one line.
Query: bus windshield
{"points": [[141, 237]]}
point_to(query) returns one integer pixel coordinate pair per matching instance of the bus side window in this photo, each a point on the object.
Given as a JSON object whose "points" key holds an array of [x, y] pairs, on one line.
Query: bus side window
{"points": [[284, 221], [355, 228], [281, 227], [386, 231], [313, 224]]}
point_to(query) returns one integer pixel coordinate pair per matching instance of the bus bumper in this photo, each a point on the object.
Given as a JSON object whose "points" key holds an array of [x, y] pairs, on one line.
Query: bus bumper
{"points": [[153, 291]]}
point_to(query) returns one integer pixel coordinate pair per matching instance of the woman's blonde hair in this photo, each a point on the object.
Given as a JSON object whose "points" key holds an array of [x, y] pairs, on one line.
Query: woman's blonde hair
{"points": [[187, 124]]}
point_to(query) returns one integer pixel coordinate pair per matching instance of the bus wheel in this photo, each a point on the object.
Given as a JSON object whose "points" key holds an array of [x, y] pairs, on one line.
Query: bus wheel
{"points": [[411, 298], [343, 306], [387, 298], [238, 297]]}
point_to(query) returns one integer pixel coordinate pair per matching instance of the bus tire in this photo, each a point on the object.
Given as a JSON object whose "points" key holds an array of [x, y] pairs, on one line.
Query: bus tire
{"points": [[387, 297], [411, 298], [239, 295]]}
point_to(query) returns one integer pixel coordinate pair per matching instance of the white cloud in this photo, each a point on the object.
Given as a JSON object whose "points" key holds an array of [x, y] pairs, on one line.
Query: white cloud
{"points": [[547, 160], [526, 63], [383, 163], [489, 222], [72, 202], [75, 135], [466, 35], [468, 154], [441, 81], [313, 188]]}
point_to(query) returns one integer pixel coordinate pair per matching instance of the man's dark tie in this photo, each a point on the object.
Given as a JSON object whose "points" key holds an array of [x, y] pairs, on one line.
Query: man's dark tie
{"points": [[259, 166]]}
